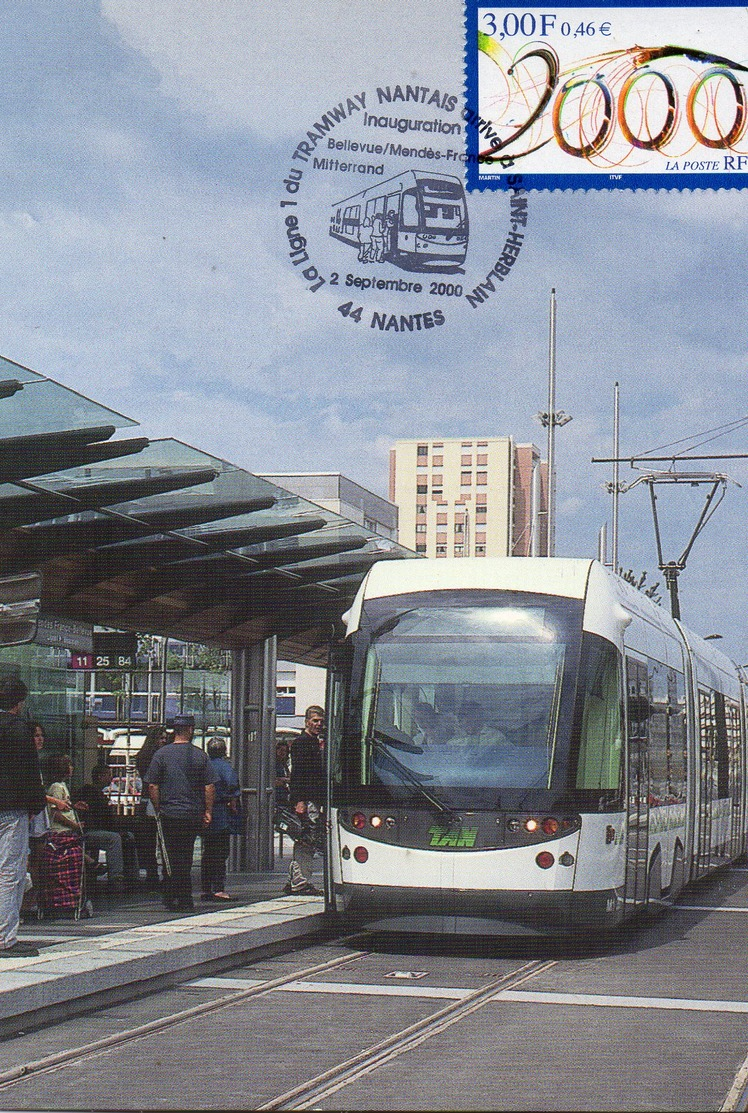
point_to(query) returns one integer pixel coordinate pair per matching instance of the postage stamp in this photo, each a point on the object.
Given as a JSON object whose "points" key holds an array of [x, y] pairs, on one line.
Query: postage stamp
{"points": [[628, 96], [376, 221]]}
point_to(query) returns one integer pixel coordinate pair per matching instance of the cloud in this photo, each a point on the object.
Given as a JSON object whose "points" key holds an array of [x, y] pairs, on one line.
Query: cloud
{"points": [[264, 67], [145, 263]]}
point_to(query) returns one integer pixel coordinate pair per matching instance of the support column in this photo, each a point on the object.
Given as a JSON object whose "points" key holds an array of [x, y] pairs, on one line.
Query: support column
{"points": [[252, 750]]}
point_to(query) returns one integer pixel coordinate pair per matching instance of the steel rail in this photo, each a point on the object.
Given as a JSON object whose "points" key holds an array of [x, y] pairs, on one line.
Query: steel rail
{"points": [[325, 1084], [63, 1058]]}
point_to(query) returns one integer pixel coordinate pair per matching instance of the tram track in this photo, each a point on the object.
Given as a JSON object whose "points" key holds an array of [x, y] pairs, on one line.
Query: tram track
{"points": [[355, 1068], [321, 1085], [59, 1059], [334, 1079]]}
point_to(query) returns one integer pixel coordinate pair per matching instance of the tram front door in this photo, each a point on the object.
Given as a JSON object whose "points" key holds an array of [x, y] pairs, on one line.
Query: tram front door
{"points": [[637, 819]]}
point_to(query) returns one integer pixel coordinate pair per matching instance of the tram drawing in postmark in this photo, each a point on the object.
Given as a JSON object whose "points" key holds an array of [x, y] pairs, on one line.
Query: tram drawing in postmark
{"points": [[620, 97], [417, 220]]}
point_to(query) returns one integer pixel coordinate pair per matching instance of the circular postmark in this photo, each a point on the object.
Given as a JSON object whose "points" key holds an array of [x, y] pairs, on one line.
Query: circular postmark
{"points": [[377, 217]]}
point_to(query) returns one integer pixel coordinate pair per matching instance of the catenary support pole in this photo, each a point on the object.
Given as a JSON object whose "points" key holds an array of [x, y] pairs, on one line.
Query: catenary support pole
{"points": [[616, 478], [551, 513]]}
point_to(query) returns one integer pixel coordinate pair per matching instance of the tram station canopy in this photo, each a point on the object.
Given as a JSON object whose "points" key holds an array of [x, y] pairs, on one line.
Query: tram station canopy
{"points": [[159, 537]]}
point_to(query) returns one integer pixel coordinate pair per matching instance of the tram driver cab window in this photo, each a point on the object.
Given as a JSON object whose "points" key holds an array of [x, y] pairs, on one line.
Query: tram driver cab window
{"points": [[409, 210], [601, 733]]}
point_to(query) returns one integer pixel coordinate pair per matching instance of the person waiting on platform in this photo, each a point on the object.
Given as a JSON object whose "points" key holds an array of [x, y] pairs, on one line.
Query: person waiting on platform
{"points": [[226, 821], [22, 795], [38, 829], [155, 737], [62, 862], [181, 784], [102, 832], [307, 797]]}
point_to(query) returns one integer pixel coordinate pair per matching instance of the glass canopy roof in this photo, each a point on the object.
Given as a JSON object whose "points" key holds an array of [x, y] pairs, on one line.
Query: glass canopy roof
{"points": [[44, 406], [162, 538]]}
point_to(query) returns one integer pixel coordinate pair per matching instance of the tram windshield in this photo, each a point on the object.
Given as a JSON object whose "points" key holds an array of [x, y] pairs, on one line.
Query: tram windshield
{"points": [[443, 205], [457, 703], [473, 703]]}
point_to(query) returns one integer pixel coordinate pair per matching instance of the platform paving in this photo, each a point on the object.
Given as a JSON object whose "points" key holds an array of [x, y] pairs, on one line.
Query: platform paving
{"points": [[133, 945]]}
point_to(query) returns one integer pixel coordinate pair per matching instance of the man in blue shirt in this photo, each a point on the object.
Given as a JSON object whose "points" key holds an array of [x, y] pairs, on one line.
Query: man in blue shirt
{"points": [[181, 784]]}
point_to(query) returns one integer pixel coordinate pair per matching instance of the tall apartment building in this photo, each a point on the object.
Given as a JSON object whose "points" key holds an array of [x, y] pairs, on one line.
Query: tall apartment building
{"points": [[469, 496]]}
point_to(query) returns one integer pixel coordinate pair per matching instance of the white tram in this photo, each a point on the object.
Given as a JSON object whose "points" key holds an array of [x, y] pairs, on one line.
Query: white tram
{"points": [[525, 746], [428, 214]]}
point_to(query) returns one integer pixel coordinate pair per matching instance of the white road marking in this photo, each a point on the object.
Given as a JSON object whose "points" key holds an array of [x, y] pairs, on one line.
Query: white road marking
{"points": [[439, 992], [735, 1099], [603, 1000], [598, 1000], [706, 908], [338, 987]]}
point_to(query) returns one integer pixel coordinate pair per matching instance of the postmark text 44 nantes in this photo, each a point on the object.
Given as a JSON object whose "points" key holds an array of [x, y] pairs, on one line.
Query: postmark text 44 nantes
{"points": [[375, 209]]}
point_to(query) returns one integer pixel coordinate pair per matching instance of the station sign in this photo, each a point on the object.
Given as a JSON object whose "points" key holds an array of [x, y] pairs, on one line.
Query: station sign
{"points": [[110, 651]]}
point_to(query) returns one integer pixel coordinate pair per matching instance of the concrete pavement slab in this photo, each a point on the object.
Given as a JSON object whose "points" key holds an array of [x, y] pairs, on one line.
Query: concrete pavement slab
{"points": [[80, 968]]}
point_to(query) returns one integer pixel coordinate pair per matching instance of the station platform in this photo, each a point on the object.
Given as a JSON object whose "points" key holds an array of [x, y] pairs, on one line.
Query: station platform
{"points": [[132, 945]]}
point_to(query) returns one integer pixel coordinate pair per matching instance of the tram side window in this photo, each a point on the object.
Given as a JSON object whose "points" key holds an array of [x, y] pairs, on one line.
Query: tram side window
{"points": [[723, 753], [600, 745], [732, 717], [659, 788], [676, 744], [708, 741], [715, 749]]}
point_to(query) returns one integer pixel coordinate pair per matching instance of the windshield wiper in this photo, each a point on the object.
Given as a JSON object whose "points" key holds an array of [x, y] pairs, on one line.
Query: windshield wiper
{"points": [[408, 777], [400, 741]]}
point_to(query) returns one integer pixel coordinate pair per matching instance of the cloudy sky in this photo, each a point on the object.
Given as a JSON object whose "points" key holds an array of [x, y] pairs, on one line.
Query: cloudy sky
{"points": [[144, 262]]}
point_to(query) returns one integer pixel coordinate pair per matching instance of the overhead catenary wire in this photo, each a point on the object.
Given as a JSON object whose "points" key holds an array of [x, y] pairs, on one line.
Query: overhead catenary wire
{"points": [[717, 430], [672, 568]]}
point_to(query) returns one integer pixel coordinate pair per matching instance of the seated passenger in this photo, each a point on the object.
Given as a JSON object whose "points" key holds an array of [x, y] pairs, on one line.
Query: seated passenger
{"points": [[62, 856], [433, 728], [100, 833]]}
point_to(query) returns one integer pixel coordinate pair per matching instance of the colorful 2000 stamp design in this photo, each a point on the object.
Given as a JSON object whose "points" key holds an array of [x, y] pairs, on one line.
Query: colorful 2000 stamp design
{"points": [[607, 97]]}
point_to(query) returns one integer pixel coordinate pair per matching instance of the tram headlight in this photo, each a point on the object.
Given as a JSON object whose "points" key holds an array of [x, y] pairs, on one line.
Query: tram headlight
{"points": [[376, 821], [361, 854], [358, 820], [531, 825], [545, 859]]}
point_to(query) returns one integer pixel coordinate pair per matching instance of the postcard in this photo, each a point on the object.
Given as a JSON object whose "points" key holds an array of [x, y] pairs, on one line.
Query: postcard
{"points": [[290, 236]]}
